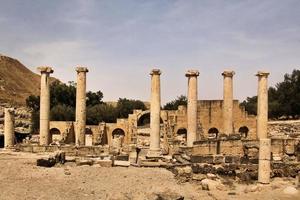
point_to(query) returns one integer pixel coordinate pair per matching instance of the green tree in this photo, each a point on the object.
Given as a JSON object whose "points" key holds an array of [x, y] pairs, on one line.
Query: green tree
{"points": [[62, 112], [173, 105], [94, 98], [126, 107], [101, 113], [284, 98]]}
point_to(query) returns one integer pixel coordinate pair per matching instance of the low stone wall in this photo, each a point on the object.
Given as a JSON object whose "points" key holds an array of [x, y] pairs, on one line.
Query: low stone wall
{"points": [[69, 150]]}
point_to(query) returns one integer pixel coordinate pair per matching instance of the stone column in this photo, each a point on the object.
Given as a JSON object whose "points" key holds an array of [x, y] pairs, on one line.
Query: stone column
{"points": [[264, 165], [192, 106], [155, 114], [80, 106], [45, 105], [9, 129], [262, 105], [228, 102]]}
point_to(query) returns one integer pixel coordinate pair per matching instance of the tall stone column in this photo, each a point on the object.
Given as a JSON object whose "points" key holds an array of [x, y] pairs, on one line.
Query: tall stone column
{"points": [[192, 106], [228, 102], [155, 114], [45, 105], [264, 165], [80, 106], [9, 129]]}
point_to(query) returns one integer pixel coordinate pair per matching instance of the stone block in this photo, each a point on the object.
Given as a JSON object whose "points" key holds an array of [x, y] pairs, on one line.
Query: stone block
{"points": [[264, 171], [232, 159], [103, 163], [81, 162], [264, 149], [121, 163], [218, 159], [122, 157], [46, 162], [202, 159]]}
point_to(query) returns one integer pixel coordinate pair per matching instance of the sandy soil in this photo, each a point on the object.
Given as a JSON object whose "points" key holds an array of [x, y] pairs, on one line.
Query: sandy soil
{"points": [[20, 178]]}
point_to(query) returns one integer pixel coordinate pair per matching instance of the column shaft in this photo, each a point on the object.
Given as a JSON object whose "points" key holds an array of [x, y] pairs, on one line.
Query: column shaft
{"points": [[192, 107], [80, 124], [45, 105], [264, 165], [262, 107], [9, 130], [228, 102], [155, 113]]}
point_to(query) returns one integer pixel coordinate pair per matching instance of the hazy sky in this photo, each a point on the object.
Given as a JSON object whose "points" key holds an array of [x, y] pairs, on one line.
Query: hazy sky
{"points": [[120, 41]]}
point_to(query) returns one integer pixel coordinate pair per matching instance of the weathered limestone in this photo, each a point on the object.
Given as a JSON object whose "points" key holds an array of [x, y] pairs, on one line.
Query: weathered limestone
{"points": [[80, 123], [262, 105], [9, 129], [192, 106], [45, 105], [228, 102], [155, 114], [264, 165]]}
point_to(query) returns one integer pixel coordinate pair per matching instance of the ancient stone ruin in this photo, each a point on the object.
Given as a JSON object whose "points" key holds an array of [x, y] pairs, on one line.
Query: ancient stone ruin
{"points": [[209, 136]]}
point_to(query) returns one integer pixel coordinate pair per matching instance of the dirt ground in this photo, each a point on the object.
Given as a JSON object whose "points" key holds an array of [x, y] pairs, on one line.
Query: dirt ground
{"points": [[20, 178]]}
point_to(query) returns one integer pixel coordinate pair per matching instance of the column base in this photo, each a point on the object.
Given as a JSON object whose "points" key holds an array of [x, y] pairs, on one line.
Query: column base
{"points": [[154, 153]]}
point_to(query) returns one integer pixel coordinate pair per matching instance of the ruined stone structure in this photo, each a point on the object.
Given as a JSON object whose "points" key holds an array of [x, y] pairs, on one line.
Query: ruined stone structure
{"points": [[45, 105], [210, 132]]}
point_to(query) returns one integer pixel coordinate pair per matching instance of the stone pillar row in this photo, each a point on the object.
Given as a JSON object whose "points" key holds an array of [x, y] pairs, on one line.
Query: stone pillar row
{"points": [[45, 105]]}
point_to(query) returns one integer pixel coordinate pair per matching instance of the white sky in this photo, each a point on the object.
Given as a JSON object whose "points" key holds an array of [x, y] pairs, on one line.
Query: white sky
{"points": [[121, 41]]}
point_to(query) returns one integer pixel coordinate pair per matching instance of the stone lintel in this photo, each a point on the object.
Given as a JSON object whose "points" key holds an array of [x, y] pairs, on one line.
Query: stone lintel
{"points": [[228, 73], [45, 69], [262, 74], [81, 69], [155, 72], [192, 72]]}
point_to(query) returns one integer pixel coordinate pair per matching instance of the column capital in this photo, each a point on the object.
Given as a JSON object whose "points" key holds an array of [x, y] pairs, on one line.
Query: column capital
{"points": [[10, 110], [192, 72], [45, 69], [262, 74], [155, 72], [228, 73], [81, 69]]}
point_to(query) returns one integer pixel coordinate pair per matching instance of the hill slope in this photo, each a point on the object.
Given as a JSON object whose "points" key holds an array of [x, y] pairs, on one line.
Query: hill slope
{"points": [[16, 81]]}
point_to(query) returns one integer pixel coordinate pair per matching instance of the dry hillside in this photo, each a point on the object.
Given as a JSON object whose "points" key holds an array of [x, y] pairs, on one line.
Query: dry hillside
{"points": [[16, 81]]}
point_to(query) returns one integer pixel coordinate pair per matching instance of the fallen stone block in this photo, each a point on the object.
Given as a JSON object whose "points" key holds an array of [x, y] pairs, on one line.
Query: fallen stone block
{"points": [[150, 164], [122, 157], [121, 163], [46, 162], [103, 163], [84, 162], [290, 190]]}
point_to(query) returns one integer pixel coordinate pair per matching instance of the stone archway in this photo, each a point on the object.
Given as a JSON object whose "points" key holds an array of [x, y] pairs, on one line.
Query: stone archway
{"points": [[88, 137], [118, 132], [213, 133], [243, 131], [181, 134], [118, 137], [55, 135], [144, 119]]}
